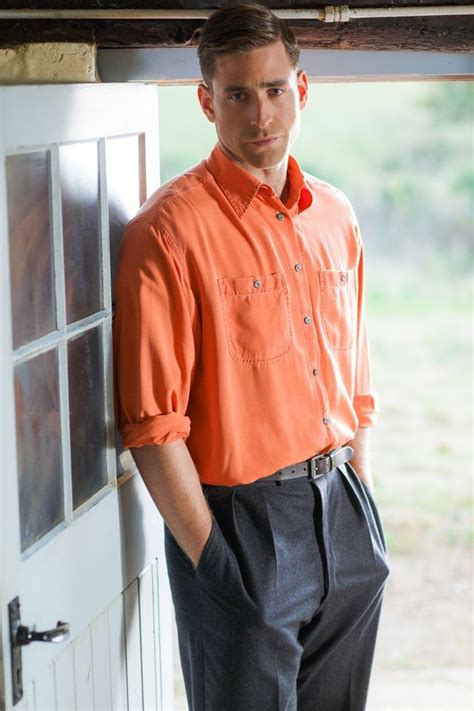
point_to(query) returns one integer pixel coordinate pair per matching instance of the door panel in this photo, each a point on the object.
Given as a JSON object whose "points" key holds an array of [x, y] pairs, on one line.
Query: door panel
{"points": [[78, 527], [64, 677]]}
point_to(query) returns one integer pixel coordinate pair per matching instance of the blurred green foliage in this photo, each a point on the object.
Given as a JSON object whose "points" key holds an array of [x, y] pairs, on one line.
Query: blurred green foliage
{"points": [[450, 102]]}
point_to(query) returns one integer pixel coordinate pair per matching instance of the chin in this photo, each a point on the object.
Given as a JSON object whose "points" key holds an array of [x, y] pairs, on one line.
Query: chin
{"points": [[266, 159]]}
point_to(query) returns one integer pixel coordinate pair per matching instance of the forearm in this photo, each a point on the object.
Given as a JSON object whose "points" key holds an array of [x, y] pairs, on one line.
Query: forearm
{"points": [[173, 482], [361, 459]]}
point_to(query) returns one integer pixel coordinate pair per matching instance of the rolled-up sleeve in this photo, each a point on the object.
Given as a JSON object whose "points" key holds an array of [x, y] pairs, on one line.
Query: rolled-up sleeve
{"points": [[366, 401], [156, 336]]}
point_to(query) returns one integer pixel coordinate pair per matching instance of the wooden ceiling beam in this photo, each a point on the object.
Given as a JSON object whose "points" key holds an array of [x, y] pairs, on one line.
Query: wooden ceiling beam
{"points": [[209, 4], [436, 34]]}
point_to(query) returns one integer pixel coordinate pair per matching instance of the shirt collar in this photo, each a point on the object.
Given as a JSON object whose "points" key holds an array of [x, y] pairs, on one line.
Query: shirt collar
{"points": [[240, 186]]}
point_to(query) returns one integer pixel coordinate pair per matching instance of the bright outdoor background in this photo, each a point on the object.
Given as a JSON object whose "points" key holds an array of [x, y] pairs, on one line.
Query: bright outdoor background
{"points": [[403, 154]]}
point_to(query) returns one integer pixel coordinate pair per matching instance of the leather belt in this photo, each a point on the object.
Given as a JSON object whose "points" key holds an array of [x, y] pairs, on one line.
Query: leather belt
{"points": [[315, 467]]}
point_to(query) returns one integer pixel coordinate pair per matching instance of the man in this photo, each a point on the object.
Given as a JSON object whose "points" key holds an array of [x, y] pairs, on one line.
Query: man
{"points": [[241, 355]]}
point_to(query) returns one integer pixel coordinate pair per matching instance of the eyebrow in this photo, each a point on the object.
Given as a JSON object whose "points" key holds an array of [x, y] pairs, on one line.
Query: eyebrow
{"points": [[263, 85]]}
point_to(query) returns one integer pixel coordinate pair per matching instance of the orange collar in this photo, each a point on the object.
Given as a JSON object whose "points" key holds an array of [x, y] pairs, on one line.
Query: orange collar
{"points": [[240, 186]]}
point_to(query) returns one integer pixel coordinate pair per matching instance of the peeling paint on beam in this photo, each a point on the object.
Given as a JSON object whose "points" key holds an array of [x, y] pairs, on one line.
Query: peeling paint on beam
{"points": [[453, 34]]}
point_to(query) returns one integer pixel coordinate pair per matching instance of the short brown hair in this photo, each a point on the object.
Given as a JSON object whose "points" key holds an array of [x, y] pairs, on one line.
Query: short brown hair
{"points": [[240, 28]]}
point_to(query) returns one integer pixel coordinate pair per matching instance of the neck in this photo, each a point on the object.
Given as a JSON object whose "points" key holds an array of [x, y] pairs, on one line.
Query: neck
{"points": [[276, 177]]}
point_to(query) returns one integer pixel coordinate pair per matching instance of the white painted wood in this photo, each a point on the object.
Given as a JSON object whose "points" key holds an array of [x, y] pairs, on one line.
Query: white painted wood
{"points": [[5, 394], [83, 669], [45, 694], [78, 571], [169, 65], [118, 654], [27, 702], [93, 577], [106, 331], [82, 112], [91, 672], [9, 526], [64, 675], [157, 634], [148, 623], [165, 611], [133, 643], [142, 542], [101, 662]]}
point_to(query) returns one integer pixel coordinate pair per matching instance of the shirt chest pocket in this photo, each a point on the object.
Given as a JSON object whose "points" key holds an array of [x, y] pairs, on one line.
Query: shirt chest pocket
{"points": [[256, 314], [339, 307]]}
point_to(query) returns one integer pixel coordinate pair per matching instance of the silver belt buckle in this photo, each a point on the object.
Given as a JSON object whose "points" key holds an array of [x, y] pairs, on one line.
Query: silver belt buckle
{"points": [[313, 467]]}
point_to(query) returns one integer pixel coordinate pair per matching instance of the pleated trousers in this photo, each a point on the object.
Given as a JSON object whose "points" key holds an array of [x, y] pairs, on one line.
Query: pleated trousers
{"points": [[282, 611]]}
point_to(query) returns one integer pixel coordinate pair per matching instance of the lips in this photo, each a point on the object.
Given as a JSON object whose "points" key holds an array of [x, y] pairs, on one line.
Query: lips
{"points": [[264, 141]]}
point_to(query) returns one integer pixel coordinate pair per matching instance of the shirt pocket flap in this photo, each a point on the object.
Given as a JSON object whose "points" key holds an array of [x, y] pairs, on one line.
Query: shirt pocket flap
{"points": [[337, 277], [255, 284], [338, 306]]}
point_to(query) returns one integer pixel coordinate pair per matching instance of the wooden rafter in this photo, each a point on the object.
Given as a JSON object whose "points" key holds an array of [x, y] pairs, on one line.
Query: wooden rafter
{"points": [[443, 34]]}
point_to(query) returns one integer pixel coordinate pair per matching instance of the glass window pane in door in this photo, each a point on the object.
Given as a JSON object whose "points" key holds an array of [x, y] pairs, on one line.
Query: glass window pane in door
{"points": [[79, 168], [38, 433], [30, 241], [86, 415]]}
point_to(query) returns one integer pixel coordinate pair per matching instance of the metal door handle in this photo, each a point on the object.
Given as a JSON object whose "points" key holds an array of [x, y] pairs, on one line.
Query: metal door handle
{"points": [[21, 635], [58, 634]]}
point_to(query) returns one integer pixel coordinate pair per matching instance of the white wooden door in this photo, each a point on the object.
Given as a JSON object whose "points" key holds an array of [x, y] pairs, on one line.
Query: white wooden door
{"points": [[81, 540]]}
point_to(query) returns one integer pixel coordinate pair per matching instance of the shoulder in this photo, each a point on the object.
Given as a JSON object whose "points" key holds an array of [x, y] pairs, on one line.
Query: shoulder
{"points": [[330, 195], [174, 196]]}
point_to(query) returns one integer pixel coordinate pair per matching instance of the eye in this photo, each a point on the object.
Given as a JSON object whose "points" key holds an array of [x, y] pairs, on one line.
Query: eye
{"points": [[275, 89], [237, 97]]}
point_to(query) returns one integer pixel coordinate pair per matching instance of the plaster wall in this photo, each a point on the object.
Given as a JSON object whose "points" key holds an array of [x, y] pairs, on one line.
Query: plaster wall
{"points": [[48, 63]]}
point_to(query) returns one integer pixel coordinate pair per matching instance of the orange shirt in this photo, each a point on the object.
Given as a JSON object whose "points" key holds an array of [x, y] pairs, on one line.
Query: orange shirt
{"points": [[239, 322]]}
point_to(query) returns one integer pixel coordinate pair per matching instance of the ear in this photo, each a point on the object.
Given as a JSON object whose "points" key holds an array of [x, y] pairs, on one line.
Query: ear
{"points": [[205, 99], [303, 87]]}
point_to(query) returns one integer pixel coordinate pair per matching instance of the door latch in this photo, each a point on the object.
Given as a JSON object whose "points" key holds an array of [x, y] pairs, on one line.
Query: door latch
{"points": [[20, 635]]}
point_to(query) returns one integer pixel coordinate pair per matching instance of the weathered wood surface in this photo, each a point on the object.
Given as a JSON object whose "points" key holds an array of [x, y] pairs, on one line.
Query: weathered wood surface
{"points": [[443, 33], [438, 34], [188, 4]]}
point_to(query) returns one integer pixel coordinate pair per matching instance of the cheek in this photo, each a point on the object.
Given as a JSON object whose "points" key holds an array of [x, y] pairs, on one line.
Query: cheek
{"points": [[290, 112], [235, 124], [228, 117]]}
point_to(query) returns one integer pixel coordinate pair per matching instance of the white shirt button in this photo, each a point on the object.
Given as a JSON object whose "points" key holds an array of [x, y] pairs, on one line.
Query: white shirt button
{"points": [[326, 420], [298, 267], [280, 216], [257, 283], [307, 319]]}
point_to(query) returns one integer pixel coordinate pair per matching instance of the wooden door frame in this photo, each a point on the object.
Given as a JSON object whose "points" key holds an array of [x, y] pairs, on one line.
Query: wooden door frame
{"points": [[180, 65]]}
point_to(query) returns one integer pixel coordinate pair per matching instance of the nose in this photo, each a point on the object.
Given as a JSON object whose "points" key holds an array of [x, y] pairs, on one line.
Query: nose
{"points": [[261, 113]]}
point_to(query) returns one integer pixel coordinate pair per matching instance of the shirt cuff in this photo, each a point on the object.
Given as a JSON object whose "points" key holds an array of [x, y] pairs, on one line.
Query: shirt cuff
{"points": [[160, 429], [367, 408]]}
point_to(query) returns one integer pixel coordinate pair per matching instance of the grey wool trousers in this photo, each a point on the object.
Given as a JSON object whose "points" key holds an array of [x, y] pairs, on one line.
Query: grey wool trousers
{"points": [[283, 609]]}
